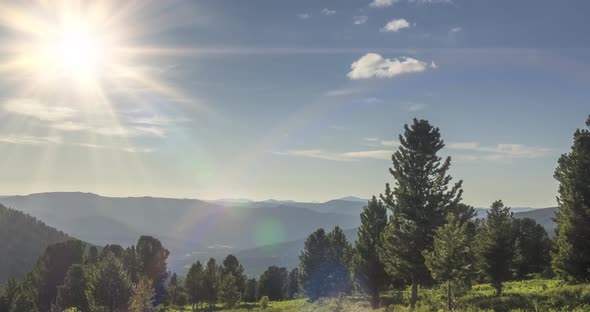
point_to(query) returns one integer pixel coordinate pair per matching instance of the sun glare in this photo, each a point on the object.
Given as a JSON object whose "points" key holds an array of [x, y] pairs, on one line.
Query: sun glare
{"points": [[76, 53]]}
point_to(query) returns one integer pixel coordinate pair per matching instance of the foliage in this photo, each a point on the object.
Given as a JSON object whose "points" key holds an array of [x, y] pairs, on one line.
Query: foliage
{"points": [[113, 285], [229, 293], [264, 302], [51, 268], [77, 290], [250, 291], [452, 257], [273, 283], [152, 259], [194, 284], [369, 271], [532, 248], [211, 282], [293, 284], [142, 299], [419, 201], [497, 245], [232, 265], [571, 259]]}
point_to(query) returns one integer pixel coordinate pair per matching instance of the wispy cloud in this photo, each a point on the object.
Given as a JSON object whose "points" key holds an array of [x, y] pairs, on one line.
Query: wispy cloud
{"points": [[35, 109], [328, 12], [395, 25], [414, 107], [343, 92], [344, 156], [373, 65], [360, 19], [383, 3], [29, 139], [304, 15], [455, 29], [499, 152]]}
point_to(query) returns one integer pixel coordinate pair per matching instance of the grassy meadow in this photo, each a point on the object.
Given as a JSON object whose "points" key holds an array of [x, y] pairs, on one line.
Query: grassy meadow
{"points": [[531, 295]]}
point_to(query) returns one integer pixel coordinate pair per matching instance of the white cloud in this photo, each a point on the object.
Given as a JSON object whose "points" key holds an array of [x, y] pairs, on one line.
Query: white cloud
{"points": [[382, 3], [345, 156], [414, 107], [374, 65], [343, 92], [34, 109], [499, 152], [372, 100], [304, 15], [391, 143], [456, 29], [396, 25], [30, 139], [359, 20], [328, 12]]}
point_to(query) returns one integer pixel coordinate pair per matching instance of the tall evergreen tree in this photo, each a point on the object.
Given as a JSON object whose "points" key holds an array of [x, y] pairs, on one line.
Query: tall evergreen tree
{"points": [[142, 298], [229, 293], [273, 283], [312, 265], [152, 258], [369, 271], [251, 291], [232, 265], [211, 278], [77, 290], [51, 269], [497, 245], [420, 199], [194, 284], [532, 253], [338, 263], [112, 289], [452, 257], [571, 259], [293, 284]]}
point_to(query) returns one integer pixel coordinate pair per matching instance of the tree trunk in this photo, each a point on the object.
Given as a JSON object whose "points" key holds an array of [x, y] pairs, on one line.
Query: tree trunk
{"points": [[450, 301], [414, 294], [375, 299]]}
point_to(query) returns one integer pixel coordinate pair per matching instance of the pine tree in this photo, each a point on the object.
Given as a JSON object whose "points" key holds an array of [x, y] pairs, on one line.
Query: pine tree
{"points": [[78, 288], [232, 265], [419, 201], [113, 285], [229, 293], [571, 259], [293, 284], [338, 263], [497, 245], [211, 281], [532, 253], [452, 257], [312, 265], [142, 299], [250, 291], [273, 283], [369, 271], [194, 284], [152, 259]]}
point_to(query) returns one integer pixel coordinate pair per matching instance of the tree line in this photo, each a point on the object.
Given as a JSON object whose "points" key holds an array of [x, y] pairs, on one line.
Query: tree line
{"points": [[416, 234]]}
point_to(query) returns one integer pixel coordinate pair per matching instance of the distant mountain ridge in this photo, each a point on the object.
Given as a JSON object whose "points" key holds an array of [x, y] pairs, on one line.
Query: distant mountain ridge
{"points": [[23, 240]]}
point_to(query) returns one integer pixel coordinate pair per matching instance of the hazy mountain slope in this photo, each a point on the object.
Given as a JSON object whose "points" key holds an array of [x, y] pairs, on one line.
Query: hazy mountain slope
{"points": [[185, 226], [541, 216], [22, 240]]}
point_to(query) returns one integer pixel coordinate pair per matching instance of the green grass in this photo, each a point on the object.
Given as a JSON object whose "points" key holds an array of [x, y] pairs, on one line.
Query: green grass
{"points": [[538, 295]]}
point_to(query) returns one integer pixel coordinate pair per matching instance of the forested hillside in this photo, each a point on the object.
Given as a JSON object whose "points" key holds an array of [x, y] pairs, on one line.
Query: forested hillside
{"points": [[23, 240]]}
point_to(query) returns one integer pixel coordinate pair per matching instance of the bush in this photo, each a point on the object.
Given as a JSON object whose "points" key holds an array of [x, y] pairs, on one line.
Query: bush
{"points": [[264, 302]]}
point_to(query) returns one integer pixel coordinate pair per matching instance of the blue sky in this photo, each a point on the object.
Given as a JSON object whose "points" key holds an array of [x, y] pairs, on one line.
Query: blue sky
{"points": [[304, 100]]}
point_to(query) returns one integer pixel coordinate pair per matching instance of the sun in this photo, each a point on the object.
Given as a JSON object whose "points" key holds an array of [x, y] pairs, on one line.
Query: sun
{"points": [[77, 52]]}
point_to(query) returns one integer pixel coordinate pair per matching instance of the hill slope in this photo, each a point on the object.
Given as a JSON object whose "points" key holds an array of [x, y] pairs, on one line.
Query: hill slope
{"points": [[23, 240]]}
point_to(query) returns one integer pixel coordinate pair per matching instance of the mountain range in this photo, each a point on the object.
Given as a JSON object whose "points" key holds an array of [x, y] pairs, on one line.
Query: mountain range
{"points": [[260, 233]]}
